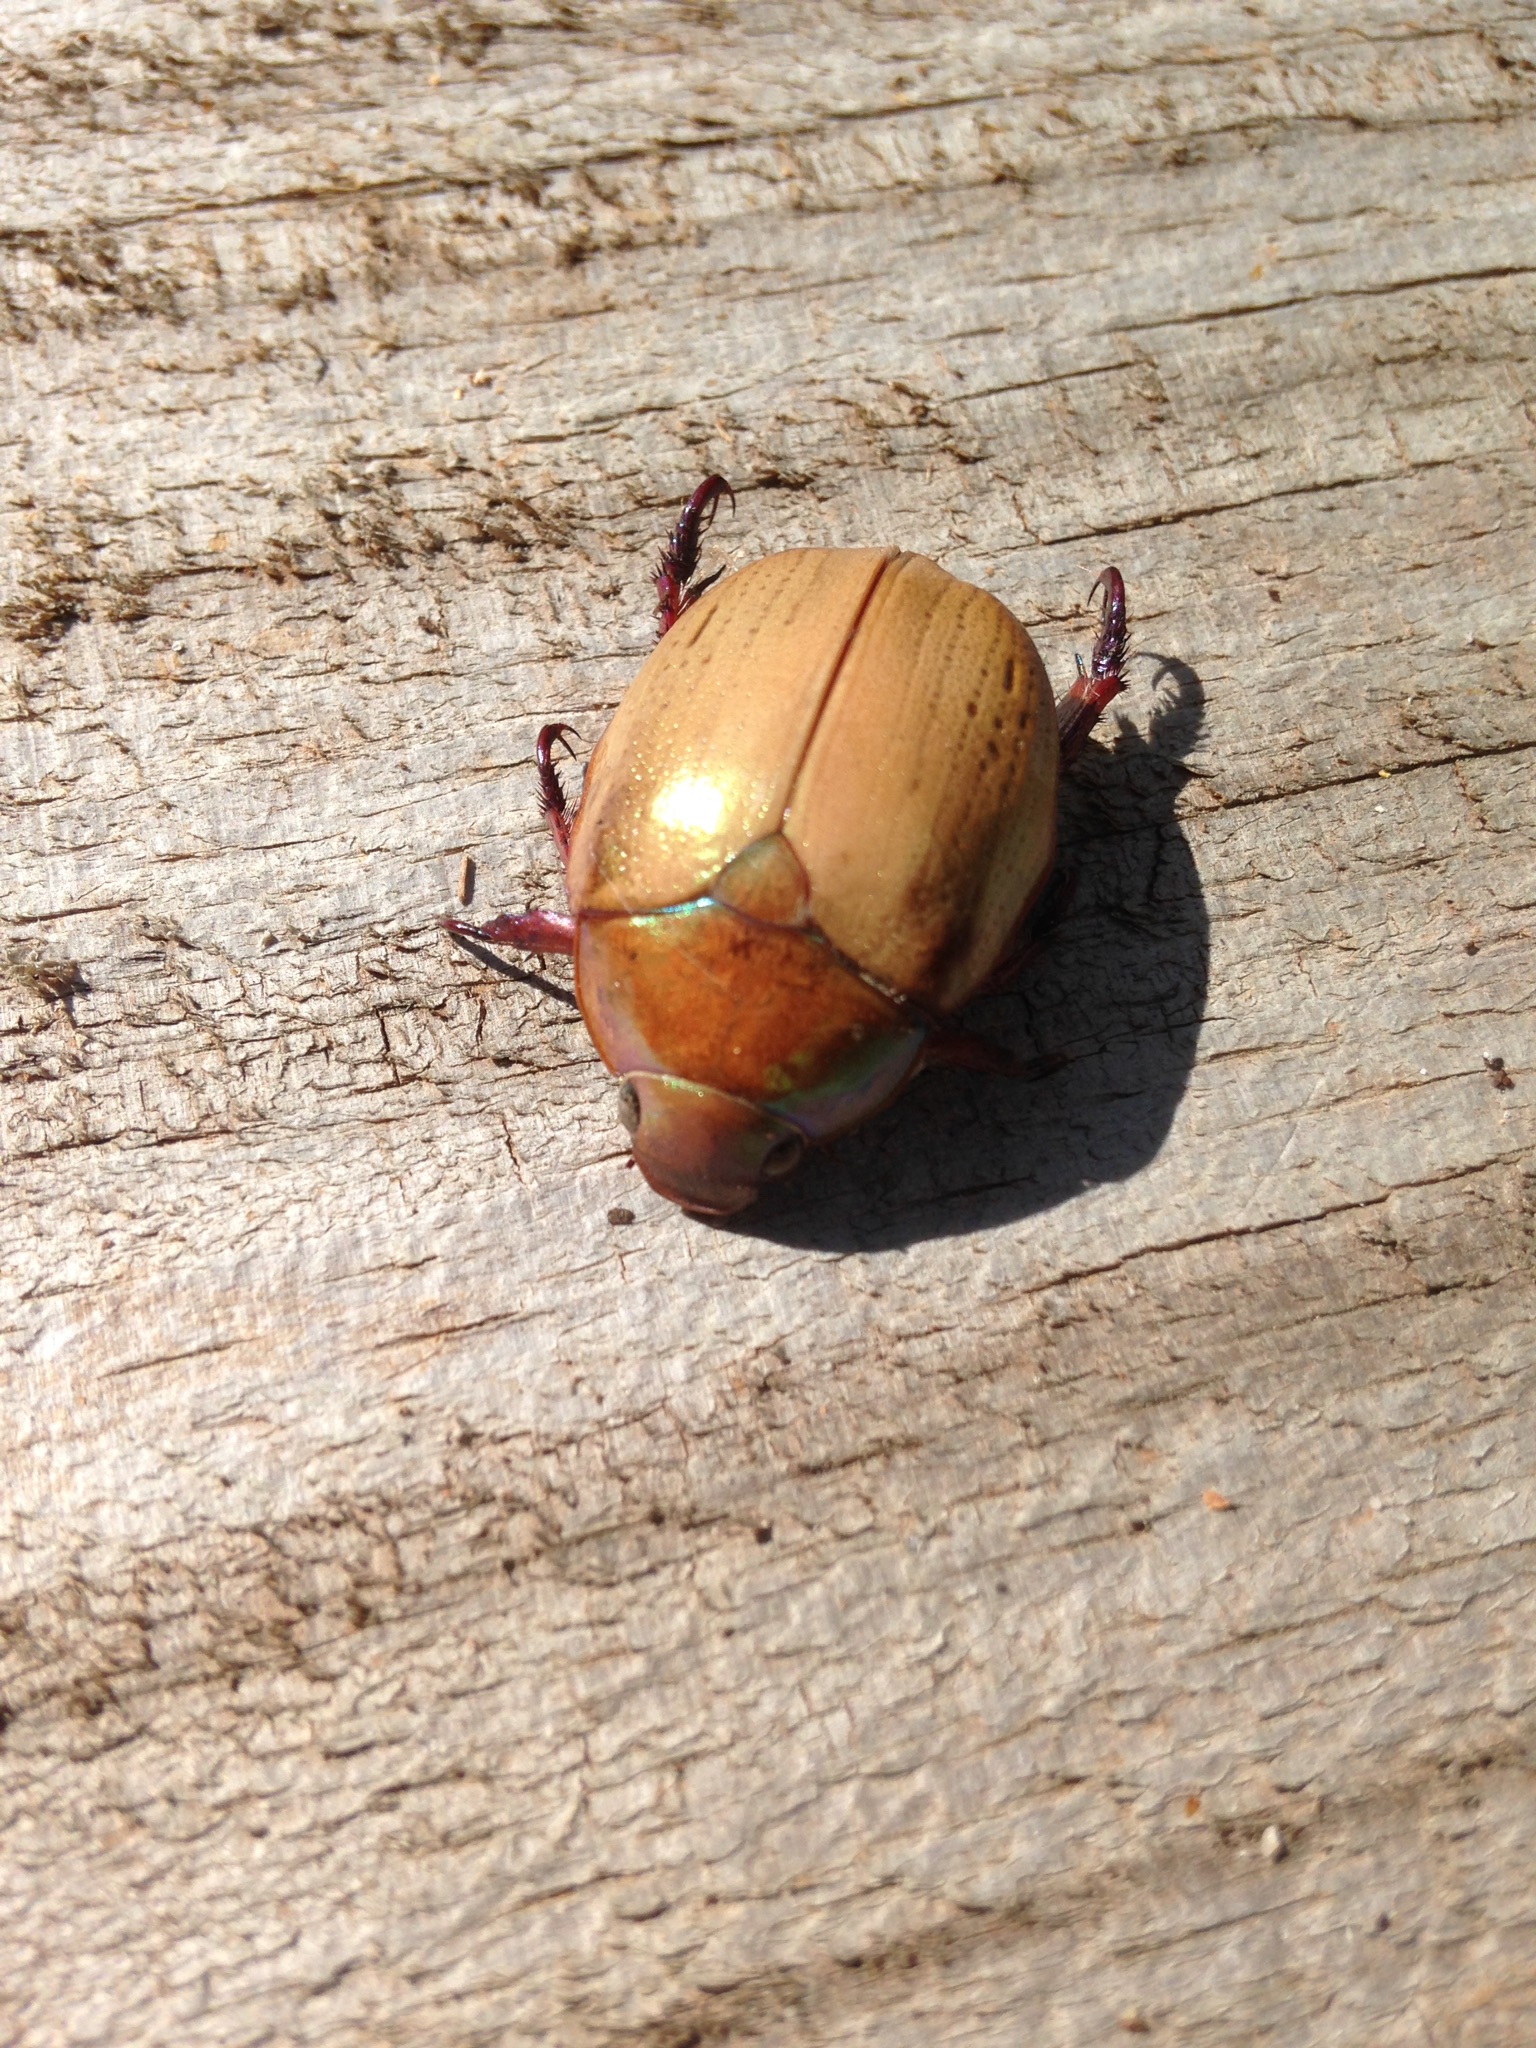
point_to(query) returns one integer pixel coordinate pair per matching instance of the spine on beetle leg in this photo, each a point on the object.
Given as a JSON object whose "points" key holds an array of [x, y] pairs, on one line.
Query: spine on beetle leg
{"points": [[1083, 705]]}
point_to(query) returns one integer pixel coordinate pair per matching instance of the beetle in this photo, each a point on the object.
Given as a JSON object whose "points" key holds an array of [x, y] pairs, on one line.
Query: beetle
{"points": [[821, 819]]}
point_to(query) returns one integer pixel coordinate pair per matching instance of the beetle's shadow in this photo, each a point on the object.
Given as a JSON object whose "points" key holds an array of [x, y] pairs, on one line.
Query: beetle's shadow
{"points": [[1119, 989]]}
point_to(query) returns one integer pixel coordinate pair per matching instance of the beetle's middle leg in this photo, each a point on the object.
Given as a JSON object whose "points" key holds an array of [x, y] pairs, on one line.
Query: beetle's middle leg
{"points": [[535, 931], [551, 795], [676, 589], [1083, 705]]}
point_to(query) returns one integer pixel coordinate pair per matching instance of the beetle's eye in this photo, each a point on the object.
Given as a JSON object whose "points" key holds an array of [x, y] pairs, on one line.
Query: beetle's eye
{"points": [[783, 1155], [629, 1108]]}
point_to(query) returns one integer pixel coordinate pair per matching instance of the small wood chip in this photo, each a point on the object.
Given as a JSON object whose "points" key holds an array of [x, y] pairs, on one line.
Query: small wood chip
{"points": [[467, 879], [1216, 1502], [1272, 1843], [621, 1216]]}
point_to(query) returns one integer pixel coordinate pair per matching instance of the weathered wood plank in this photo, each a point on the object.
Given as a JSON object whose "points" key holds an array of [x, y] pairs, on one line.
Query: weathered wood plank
{"points": [[433, 1613]]}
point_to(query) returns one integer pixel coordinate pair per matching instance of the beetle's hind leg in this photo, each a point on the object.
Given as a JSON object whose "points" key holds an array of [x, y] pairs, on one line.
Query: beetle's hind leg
{"points": [[551, 795], [676, 588], [949, 1046], [1033, 929], [1083, 705]]}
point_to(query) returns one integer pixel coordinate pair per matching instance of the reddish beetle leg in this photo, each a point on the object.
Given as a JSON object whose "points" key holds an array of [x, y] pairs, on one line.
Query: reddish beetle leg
{"points": [[675, 588], [949, 1046], [531, 931], [551, 796], [1033, 930], [1083, 705], [535, 931]]}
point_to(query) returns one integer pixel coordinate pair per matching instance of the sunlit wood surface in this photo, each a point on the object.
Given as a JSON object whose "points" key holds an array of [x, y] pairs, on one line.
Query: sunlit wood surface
{"points": [[434, 1614]]}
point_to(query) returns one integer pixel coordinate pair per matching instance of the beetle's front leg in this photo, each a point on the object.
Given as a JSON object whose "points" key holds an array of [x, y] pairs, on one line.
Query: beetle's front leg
{"points": [[531, 931], [1081, 708], [675, 587]]}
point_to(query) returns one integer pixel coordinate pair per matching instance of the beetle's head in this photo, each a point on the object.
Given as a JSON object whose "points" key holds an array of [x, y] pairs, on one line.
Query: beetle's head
{"points": [[702, 1149]]}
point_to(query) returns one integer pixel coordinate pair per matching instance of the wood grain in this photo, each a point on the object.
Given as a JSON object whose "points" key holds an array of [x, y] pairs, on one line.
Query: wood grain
{"points": [[435, 1612]]}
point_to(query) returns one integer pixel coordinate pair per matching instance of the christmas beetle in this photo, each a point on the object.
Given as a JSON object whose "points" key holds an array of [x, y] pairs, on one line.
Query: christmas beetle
{"points": [[822, 818]]}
